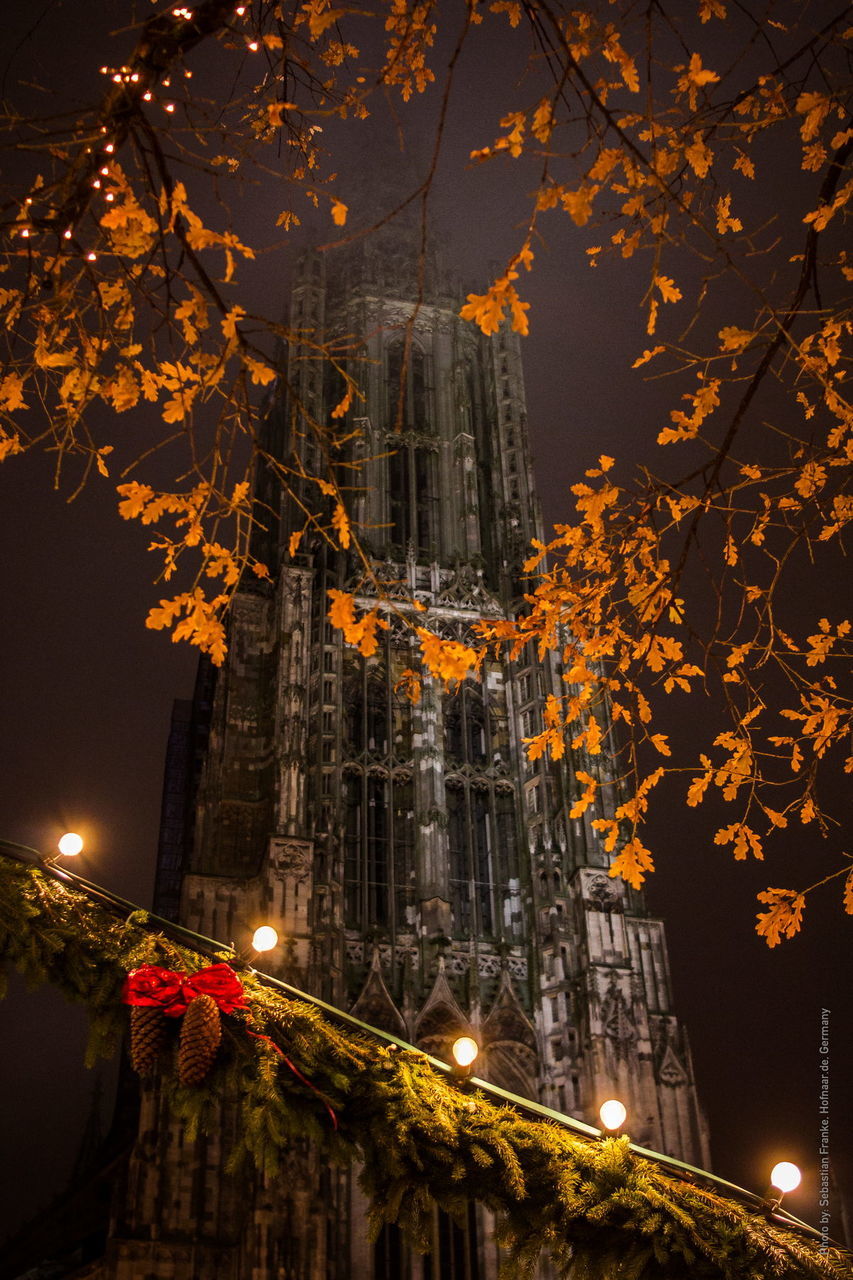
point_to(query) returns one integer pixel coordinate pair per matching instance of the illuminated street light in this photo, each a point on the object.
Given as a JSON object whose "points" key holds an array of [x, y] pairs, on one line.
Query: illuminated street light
{"points": [[612, 1114], [264, 938], [70, 844], [465, 1051], [785, 1176]]}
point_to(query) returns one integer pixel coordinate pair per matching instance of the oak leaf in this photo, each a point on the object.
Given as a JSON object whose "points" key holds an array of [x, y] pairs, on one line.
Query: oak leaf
{"points": [[632, 863], [12, 393], [745, 840], [446, 659], [340, 521], [784, 917]]}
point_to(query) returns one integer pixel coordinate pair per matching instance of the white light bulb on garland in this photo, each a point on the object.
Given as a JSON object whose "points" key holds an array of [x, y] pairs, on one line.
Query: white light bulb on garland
{"points": [[612, 1114], [70, 844], [785, 1176], [465, 1051], [264, 938]]}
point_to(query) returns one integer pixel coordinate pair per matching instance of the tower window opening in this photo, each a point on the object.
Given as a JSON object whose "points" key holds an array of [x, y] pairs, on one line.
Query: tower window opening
{"points": [[378, 799], [412, 467], [412, 495]]}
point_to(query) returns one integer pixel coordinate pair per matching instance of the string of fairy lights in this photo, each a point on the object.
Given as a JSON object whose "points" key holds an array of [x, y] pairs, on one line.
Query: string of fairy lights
{"points": [[138, 84], [785, 1176]]}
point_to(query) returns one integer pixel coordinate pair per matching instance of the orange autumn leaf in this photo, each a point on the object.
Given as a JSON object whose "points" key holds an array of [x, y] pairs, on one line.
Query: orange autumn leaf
{"points": [[340, 521], [784, 917], [446, 659], [632, 863], [360, 632]]}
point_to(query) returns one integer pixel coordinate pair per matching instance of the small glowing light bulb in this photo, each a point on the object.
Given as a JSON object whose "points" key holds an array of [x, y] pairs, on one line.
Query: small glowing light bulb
{"points": [[105, 171], [612, 1114], [785, 1176], [253, 45], [240, 10], [147, 96], [109, 196], [465, 1051], [265, 938], [25, 232], [109, 148], [91, 257], [169, 106], [66, 235], [70, 844]]}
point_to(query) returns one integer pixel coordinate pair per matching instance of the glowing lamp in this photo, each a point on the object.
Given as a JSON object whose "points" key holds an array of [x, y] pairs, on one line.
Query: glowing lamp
{"points": [[465, 1050], [265, 938], [70, 844], [612, 1114], [785, 1176]]}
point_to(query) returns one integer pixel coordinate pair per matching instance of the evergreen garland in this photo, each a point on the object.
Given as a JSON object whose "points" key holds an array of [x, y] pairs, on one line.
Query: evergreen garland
{"points": [[593, 1205]]}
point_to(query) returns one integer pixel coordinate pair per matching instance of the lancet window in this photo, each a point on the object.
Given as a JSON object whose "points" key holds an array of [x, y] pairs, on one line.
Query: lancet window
{"points": [[378, 796], [481, 813], [409, 410], [413, 495], [412, 464]]}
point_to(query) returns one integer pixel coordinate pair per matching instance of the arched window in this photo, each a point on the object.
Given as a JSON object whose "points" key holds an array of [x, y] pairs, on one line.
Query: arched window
{"points": [[379, 846], [412, 466], [465, 730], [457, 840], [407, 388], [412, 494], [378, 798], [471, 831], [481, 816]]}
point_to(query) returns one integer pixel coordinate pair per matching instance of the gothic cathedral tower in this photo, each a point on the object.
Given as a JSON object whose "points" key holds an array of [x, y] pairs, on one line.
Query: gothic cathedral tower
{"points": [[420, 871]]}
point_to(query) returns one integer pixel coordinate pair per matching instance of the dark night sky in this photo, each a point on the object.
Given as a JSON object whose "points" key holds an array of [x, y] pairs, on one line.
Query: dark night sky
{"points": [[86, 695]]}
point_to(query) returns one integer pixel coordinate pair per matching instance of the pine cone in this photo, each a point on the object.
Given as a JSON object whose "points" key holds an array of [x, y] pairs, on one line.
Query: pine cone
{"points": [[200, 1035], [147, 1037]]}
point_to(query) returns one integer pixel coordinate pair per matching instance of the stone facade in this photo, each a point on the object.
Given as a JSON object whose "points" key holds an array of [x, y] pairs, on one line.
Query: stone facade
{"points": [[419, 870]]}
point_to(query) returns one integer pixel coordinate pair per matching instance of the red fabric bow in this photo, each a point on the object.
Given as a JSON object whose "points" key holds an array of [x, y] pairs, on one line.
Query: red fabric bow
{"points": [[172, 991]]}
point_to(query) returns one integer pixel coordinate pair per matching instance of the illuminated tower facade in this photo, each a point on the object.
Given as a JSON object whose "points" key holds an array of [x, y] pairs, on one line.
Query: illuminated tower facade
{"points": [[420, 870]]}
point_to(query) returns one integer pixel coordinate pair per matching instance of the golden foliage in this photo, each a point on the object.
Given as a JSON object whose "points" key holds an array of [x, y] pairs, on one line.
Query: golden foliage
{"points": [[120, 302], [361, 632]]}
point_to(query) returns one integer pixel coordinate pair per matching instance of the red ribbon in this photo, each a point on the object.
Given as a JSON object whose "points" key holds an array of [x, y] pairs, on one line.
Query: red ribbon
{"points": [[172, 991], [298, 1074]]}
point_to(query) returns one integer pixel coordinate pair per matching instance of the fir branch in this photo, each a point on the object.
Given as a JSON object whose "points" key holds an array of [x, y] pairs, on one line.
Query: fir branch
{"points": [[600, 1210]]}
